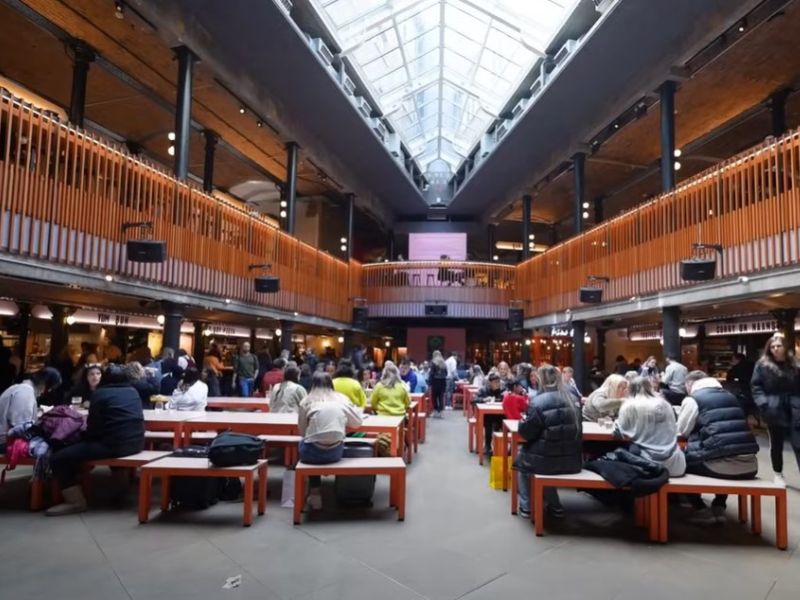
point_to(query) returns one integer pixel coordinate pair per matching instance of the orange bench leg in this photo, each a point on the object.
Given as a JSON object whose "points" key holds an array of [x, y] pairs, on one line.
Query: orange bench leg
{"points": [[742, 508], [755, 514], [299, 496], [262, 489], [248, 500], [166, 482], [145, 489], [781, 525], [653, 517], [401, 495], [514, 499], [37, 495], [537, 508], [663, 516]]}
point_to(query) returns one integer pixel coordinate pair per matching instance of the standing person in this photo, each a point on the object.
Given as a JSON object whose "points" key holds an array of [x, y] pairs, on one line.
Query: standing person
{"points": [[551, 430], [596, 374], [390, 397], [738, 379], [437, 381], [776, 392], [345, 382], [674, 380], [191, 393], [407, 375], [245, 369], [18, 403], [212, 366], [90, 380], [721, 443], [323, 419], [606, 400], [649, 422], [286, 396], [452, 376], [274, 376], [115, 427]]}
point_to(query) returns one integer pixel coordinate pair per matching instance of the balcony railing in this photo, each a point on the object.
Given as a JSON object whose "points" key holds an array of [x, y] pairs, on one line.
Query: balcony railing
{"points": [[749, 204], [65, 193], [469, 289]]}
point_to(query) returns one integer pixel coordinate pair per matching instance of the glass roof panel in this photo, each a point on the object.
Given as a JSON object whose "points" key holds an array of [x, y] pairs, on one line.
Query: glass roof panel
{"points": [[441, 70]]}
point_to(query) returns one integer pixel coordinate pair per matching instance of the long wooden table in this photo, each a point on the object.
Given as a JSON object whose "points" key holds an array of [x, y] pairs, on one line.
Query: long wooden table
{"points": [[234, 403], [170, 420]]}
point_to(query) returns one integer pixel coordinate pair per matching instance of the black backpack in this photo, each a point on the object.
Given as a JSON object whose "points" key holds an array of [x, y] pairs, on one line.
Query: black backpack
{"points": [[231, 449], [200, 493]]}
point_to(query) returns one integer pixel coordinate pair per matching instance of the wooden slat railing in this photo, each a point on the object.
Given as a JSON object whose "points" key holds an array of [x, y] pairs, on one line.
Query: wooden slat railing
{"points": [[749, 204], [65, 193]]}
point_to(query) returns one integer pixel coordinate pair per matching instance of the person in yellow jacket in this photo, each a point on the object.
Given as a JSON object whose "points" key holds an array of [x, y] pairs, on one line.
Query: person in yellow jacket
{"points": [[344, 382], [390, 397]]}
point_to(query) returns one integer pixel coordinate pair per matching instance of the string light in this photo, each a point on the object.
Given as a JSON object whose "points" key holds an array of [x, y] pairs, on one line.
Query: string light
{"points": [[160, 319]]}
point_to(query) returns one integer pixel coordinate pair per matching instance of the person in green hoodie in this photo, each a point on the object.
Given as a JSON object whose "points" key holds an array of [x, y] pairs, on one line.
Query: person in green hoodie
{"points": [[390, 397]]}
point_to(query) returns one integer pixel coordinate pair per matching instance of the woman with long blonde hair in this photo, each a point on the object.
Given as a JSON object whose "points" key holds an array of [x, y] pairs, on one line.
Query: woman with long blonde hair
{"points": [[390, 397], [606, 400]]}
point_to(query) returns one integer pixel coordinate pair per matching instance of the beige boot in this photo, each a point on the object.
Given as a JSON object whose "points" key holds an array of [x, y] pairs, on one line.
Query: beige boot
{"points": [[74, 502]]}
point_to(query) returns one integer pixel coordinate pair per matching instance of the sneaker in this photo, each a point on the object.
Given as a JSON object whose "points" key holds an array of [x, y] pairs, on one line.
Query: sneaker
{"points": [[779, 480], [719, 514], [557, 512], [315, 502], [487, 452], [704, 516], [525, 514], [448, 408]]}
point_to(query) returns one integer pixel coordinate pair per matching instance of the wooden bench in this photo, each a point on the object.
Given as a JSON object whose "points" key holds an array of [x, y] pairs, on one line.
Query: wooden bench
{"points": [[422, 420], [153, 437], [132, 461], [646, 507], [36, 485], [395, 468], [471, 425], [754, 488], [289, 443], [174, 466]]}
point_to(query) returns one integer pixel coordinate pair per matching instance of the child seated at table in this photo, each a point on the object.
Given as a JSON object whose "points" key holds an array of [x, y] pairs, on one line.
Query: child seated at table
{"points": [[323, 418], [390, 397], [191, 393], [515, 404], [489, 393]]}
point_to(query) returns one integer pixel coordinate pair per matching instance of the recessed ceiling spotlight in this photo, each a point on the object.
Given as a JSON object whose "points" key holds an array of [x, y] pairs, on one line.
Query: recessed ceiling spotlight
{"points": [[585, 214], [283, 214], [616, 124], [343, 248], [495, 257], [171, 150], [242, 110], [585, 205], [171, 136], [677, 165], [677, 153], [742, 25], [119, 10], [227, 300]]}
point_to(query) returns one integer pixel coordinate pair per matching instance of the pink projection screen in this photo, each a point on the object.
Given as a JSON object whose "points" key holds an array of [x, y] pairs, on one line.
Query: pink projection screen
{"points": [[431, 246]]}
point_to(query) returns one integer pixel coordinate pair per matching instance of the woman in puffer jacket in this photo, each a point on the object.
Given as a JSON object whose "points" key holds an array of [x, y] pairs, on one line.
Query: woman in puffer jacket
{"points": [[776, 392]]}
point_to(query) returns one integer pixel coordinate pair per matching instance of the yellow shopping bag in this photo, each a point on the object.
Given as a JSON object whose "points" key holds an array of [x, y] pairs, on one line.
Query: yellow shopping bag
{"points": [[496, 472]]}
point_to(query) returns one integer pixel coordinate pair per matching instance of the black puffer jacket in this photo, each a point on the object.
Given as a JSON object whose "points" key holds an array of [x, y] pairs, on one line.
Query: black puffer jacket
{"points": [[776, 393], [553, 437], [116, 418], [721, 428]]}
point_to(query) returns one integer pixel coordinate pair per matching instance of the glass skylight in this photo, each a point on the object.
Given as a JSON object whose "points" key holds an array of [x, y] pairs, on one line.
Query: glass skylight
{"points": [[442, 69]]}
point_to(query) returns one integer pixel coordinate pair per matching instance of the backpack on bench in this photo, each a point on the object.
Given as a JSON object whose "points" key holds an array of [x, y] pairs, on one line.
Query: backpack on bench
{"points": [[200, 493]]}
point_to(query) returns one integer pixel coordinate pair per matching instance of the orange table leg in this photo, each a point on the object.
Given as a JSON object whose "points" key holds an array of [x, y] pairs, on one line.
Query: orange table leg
{"points": [[742, 508], [393, 486], [663, 515], [505, 459], [262, 489], [37, 494], [401, 496], [248, 499], [514, 499], [537, 502], [177, 441], [781, 525], [638, 511], [145, 489], [478, 436], [755, 514], [166, 482], [653, 517], [299, 496]]}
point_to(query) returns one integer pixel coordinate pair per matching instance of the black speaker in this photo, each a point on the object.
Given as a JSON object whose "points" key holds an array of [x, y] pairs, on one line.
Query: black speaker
{"points": [[698, 269], [591, 295], [436, 310], [515, 318], [360, 314], [146, 251], [268, 284]]}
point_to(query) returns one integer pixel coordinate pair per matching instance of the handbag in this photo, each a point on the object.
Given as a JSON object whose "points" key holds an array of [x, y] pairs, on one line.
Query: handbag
{"points": [[496, 472], [230, 449]]}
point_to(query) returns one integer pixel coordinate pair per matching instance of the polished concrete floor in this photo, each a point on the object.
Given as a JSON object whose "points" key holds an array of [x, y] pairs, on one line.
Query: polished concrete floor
{"points": [[458, 541]]}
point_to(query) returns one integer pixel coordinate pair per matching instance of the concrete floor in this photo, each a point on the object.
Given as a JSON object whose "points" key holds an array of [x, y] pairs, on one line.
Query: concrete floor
{"points": [[458, 541]]}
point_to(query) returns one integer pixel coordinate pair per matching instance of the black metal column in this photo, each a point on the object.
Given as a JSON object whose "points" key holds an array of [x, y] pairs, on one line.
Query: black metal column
{"points": [[601, 347], [183, 111], [24, 316], [526, 226], [777, 111], [526, 349], [785, 318], [199, 353], [59, 332], [291, 186], [579, 354], [173, 317], [490, 249], [84, 56], [667, 96], [208, 162], [579, 172], [598, 209], [671, 317], [390, 245], [347, 346], [351, 215], [287, 328]]}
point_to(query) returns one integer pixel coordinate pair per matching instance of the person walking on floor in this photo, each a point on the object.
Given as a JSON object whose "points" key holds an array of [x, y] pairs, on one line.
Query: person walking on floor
{"points": [[245, 369], [437, 380], [776, 393]]}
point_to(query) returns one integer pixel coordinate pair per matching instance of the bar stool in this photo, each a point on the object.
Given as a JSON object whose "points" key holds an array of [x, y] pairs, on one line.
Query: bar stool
{"points": [[430, 280]]}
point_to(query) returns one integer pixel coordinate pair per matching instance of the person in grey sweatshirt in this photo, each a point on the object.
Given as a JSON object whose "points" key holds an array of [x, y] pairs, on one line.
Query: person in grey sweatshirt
{"points": [[18, 403]]}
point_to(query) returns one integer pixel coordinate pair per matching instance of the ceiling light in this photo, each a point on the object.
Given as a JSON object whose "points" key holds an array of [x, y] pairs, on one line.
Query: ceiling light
{"points": [[340, 339], [531, 236], [528, 342], [616, 124], [634, 298], [585, 205], [119, 10], [677, 165], [206, 332], [587, 339], [171, 136], [343, 248], [160, 319], [259, 124], [387, 343], [283, 204], [283, 214], [343, 240], [495, 257], [677, 153], [682, 332], [242, 110], [227, 300], [585, 214], [742, 25], [109, 278], [743, 279], [70, 320], [171, 150], [296, 313], [278, 332]]}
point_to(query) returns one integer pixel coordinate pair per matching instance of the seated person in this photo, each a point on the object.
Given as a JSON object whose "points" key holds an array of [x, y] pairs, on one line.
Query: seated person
{"points": [[568, 376], [115, 427], [515, 404], [191, 393], [390, 397], [407, 375], [344, 382], [551, 430], [606, 400], [274, 376], [476, 375], [286, 396], [491, 392], [649, 422], [323, 419], [143, 383], [721, 443], [90, 379], [18, 403]]}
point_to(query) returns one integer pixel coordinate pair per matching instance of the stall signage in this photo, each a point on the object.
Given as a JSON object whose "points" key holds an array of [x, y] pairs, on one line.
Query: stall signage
{"points": [[560, 332]]}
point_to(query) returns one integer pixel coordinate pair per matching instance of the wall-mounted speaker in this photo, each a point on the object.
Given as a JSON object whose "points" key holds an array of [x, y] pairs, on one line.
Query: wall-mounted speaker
{"points": [[436, 310], [146, 251], [360, 314], [698, 269], [268, 284], [591, 295], [515, 319]]}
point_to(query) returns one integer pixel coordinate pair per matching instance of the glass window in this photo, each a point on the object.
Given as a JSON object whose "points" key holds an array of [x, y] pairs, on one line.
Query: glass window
{"points": [[441, 70]]}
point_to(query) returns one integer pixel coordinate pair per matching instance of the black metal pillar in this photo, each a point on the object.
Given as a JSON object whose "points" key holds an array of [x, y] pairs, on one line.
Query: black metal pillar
{"points": [[526, 348], [347, 346], [601, 347], [208, 162], [490, 249], [173, 317], [786, 318], [183, 111], [579, 354], [554, 237], [671, 317], [598, 209], [667, 95], [199, 349], [84, 56], [351, 215], [24, 316], [291, 186], [390, 245], [579, 173], [287, 328], [526, 227], [59, 332], [777, 111]]}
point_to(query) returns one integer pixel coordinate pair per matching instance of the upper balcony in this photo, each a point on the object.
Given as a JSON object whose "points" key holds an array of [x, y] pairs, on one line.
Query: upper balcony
{"points": [[468, 290]]}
